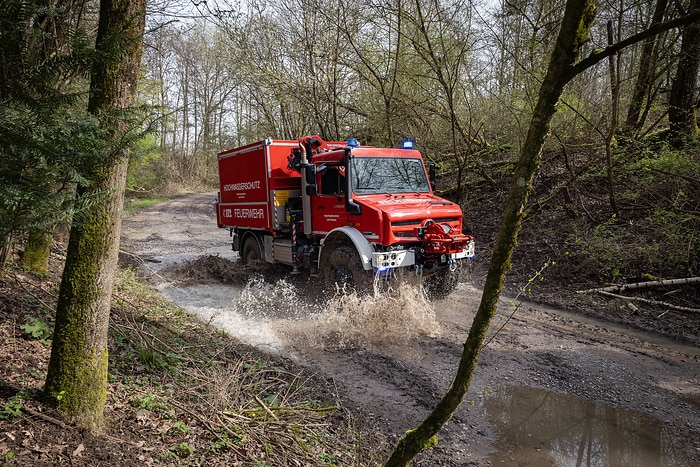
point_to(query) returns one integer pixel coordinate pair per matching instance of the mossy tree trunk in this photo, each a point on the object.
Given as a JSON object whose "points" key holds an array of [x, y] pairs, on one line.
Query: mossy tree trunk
{"points": [[578, 18], [76, 382], [37, 250]]}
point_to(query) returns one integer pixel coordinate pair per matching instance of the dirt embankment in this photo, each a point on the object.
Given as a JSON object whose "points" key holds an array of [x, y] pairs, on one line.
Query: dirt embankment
{"points": [[552, 386]]}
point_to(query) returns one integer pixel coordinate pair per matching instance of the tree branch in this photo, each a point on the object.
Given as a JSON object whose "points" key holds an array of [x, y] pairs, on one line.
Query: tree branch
{"points": [[596, 57]]}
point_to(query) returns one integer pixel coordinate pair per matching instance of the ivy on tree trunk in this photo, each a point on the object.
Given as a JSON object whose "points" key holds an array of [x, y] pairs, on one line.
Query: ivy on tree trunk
{"points": [[578, 18], [76, 382]]}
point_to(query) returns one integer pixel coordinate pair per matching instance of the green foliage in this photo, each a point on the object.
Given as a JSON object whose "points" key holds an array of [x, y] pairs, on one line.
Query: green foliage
{"points": [[272, 400], [219, 446], [141, 204], [150, 402], [39, 171], [38, 329], [182, 449], [51, 143], [157, 359], [12, 408], [147, 167], [179, 428], [603, 248], [45, 142]]}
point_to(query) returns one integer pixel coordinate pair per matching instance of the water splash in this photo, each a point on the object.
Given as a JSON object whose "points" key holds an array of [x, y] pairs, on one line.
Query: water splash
{"points": [[259, 305], [348, 321], [280, 299]]}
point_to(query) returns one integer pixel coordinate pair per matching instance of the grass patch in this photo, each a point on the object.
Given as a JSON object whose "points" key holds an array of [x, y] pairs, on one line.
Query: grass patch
{"points": [[133, 206]]}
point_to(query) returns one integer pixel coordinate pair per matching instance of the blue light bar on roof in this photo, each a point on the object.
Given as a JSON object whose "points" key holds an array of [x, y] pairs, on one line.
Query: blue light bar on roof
{"points": [[407, 144], [353, 143]]}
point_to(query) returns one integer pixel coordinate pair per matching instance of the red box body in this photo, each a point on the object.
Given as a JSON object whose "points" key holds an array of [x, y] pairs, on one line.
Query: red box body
{"points": [[250, 177]]}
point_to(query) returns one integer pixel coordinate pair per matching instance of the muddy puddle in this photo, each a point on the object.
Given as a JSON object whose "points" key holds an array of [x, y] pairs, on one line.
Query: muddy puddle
{"points": [[543, 428]]}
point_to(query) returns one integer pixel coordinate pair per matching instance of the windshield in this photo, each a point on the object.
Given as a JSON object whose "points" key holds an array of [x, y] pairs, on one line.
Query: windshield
{"points": [[373, 175]]}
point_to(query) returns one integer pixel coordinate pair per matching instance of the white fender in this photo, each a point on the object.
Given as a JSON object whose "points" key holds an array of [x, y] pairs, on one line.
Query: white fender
{"points": [[364, 248]]}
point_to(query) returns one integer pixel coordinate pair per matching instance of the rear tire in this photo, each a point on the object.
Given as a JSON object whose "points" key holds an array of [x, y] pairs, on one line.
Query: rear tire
{"points": [[342, 269], [250, 251]]}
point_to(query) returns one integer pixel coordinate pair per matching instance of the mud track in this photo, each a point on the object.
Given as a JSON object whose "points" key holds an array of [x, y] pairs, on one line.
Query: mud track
{"points": [[552, 387]]}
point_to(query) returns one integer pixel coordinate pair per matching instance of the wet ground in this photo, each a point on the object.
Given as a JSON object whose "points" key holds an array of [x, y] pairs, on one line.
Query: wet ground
{"points": [[552, 387]]}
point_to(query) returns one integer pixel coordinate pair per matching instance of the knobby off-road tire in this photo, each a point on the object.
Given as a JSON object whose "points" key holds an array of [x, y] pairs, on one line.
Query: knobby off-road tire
{"points": [[440, 284], [250, 251], [342, 269]]}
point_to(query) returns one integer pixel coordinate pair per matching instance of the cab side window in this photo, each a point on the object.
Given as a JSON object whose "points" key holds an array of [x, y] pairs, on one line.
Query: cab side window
{"points": [[332, 182]]}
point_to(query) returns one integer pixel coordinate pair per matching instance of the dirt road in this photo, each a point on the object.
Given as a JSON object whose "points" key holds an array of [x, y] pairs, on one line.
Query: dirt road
{"points": [[552, 388]]}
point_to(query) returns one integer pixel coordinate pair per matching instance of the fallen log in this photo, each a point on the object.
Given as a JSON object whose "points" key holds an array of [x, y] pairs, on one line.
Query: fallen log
{"points": [[644, 285]]}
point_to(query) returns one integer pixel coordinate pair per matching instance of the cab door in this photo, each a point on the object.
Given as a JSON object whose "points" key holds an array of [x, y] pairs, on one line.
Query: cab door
{"points": [[328, 206]]}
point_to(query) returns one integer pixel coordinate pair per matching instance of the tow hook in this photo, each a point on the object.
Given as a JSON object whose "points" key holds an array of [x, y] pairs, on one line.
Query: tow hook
{"points": [[419, 270]]}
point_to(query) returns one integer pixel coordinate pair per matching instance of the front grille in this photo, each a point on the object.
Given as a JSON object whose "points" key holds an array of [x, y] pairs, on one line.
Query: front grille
{"points": [[447, 219], [403, 223], [420, 221]]}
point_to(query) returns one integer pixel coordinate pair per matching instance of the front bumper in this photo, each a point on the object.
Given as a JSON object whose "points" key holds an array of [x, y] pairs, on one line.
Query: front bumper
{"points": [[401, 258]]}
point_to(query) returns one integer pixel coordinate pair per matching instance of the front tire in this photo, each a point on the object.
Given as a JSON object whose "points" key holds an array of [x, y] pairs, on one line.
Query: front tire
{"points": [[440, 284], [342, 270]]}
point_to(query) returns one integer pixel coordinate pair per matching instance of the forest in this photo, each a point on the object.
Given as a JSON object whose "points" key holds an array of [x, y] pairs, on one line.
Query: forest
{"points": [[576, 119], [459, 78]]}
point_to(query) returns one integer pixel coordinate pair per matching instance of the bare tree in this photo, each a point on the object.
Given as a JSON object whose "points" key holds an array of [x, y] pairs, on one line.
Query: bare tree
{"points": [[444, 46], [644, 84], [374, 33]]}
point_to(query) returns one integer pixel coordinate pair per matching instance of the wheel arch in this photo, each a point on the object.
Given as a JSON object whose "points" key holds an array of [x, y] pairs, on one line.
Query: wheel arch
{"points": [[347, 236]]}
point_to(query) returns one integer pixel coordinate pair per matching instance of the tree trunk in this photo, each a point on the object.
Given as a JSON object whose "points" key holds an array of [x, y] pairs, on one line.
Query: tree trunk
{"points": [[5, 252], [614, 70], [647, 71], [37, 250], [76, 382], [577, 21], [681, 107]]}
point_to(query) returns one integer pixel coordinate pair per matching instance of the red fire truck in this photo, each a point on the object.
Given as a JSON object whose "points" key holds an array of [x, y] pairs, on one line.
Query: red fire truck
{"points": [[346, 212]]}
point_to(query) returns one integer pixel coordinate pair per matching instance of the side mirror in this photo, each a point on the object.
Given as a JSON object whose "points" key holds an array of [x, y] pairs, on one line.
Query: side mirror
{"points": [[310, 174], [431, 175]]}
